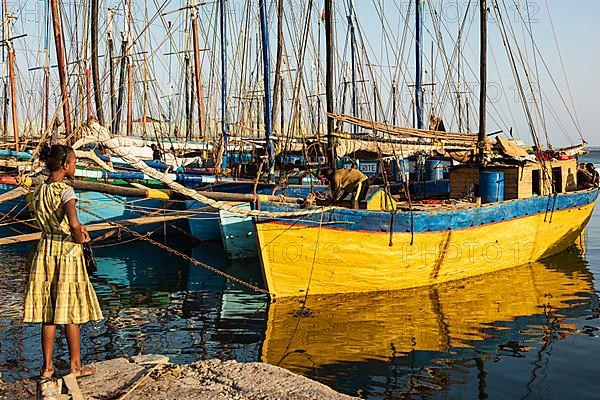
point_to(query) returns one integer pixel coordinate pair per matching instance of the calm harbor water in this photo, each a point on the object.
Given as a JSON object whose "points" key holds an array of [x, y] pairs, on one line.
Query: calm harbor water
{"points": [[532, 332]]}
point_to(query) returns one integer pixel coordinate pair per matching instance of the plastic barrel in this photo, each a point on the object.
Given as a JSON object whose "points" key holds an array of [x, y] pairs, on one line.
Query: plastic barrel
{"points": [[491, 186], [434, 170], [398, 168]]}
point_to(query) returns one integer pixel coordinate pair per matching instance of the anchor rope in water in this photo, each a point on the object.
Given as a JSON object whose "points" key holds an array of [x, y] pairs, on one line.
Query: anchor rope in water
{"points": [[180, 254], [304, 311], [100, 133]]}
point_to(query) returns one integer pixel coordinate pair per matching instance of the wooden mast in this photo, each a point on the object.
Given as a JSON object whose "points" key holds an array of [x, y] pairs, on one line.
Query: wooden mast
{"points": [[329, 50], [277, 92], [188, 106], [4, 77], [111, 71], [129, 96], [95, 68], [197, 66], [122, 71], [264, 27], [483, 79], [224, 125], [419, 63], [129, 74], [62, 68], [88, 89], [11, 73]]}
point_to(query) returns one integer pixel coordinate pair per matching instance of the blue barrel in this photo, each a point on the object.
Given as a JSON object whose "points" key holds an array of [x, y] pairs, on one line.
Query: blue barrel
{"points": [[400, 169], [434, 170], [491, 186]]}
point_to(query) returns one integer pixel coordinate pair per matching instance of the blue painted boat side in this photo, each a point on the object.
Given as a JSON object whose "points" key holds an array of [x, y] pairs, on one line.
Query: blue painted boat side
{"points": [[10, 206], [205, 224], [17, 154], [109, 207], [435, 221], [237, 231], [437, 188], [152, 164], [116, 208]]}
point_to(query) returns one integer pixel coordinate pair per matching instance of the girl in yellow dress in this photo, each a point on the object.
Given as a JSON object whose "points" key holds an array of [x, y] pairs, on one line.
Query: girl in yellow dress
{"points": [[59, 291]]}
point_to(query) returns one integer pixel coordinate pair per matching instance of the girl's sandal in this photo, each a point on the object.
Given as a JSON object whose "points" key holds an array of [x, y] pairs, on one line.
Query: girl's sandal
{"points": [[46, 374], [85, 370]]}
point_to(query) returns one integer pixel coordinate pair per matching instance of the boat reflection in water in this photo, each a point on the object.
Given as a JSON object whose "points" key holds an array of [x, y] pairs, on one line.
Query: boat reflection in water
{"points": [[381, 344], [155, 302]]}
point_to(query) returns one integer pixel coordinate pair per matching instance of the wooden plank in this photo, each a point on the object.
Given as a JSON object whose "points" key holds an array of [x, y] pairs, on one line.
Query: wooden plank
{"points": [[102, 226], [71, 383], [13, 194]]}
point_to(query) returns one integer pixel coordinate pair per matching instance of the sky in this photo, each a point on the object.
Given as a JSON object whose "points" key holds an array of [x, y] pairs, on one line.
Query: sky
{"points": [[575, 22]]}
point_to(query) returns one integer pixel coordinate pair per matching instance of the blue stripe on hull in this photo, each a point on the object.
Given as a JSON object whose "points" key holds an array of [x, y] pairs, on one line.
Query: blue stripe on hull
{"points": [[435, 221]]}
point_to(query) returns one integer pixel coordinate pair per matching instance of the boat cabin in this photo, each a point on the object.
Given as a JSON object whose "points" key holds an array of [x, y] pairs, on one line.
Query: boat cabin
{"points": [[519, 181]]}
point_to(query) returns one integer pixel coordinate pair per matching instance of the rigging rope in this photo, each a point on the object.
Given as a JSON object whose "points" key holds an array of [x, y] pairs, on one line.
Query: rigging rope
{"points": [[180, 254], [94, 129]]}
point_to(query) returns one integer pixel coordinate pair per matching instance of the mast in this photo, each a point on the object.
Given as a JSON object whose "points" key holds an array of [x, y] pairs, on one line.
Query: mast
{"points": [[264, 29], [129, 96], [13, 86], [88, 89], [129, 75], [224, 130], [394, 103], [278, 85], [46, 68], [122, 70], [483, 79], [458, 91], [145, 80], [197, 66], [62, 68], [329, 50], [353, 63], [419, 63], [171, 93], [4, 77], [188, 89], [111, 72], [95, 68]]}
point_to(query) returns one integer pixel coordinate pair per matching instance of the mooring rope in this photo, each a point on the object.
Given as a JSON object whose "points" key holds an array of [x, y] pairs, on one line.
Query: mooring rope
{"points": [[180, 254]]}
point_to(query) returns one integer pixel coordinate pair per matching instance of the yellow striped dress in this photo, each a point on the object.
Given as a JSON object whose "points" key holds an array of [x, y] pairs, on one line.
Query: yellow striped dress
{"points": [[59, 290]]}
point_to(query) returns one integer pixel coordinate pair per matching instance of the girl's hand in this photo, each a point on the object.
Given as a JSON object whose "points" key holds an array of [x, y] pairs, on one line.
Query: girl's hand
{"points": [[84, 234]]}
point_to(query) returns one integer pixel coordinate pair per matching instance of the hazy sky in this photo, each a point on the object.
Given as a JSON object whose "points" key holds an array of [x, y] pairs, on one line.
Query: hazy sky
{"points": [[578, 34], [576, 23]]}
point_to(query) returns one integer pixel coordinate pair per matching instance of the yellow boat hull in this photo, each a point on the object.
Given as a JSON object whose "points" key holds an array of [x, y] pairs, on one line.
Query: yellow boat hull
{"points": [[298, 258]]}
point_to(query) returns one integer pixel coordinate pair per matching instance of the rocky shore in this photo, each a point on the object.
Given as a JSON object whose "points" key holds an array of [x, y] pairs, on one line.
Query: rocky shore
{"points": [[153, 377]]}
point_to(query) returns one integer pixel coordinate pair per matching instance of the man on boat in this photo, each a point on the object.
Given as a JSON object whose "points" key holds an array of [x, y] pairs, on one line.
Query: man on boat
{"points": [[595, 181], [156, 153], [347, 180]]}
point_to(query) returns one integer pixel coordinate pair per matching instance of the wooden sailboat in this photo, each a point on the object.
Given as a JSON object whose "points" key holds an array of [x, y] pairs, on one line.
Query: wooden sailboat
{"points": [[390, 246]]}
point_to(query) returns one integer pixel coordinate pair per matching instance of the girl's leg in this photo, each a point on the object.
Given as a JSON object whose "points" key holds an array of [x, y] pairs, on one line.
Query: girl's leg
{"points": [[74, 342], [48, 335]]}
